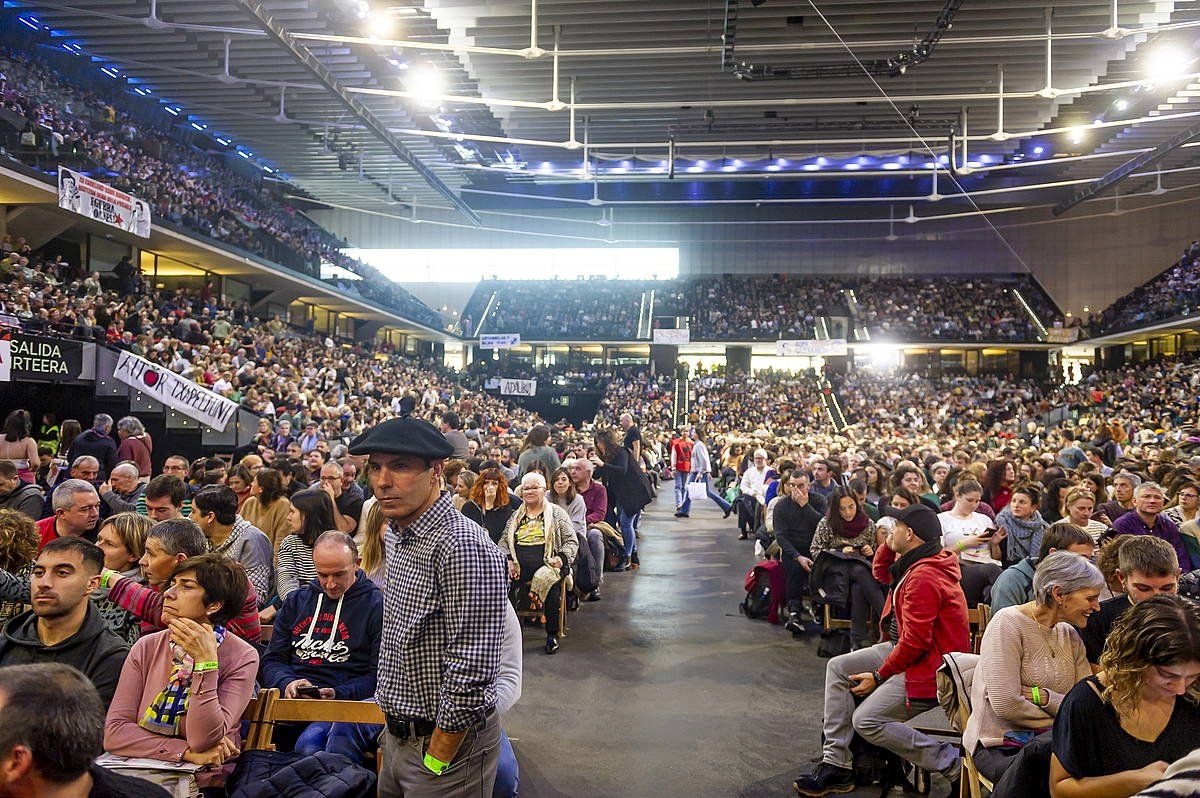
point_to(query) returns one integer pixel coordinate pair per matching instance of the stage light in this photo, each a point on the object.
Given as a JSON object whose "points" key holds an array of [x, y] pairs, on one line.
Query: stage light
{"points": [[1166, 63], [380, 24], [891, 165], [1038, 150], [1077, 135], [426, 83], [1121, 105]]}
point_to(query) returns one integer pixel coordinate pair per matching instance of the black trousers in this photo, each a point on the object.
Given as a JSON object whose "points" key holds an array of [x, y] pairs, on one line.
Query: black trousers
{"points": [[530, 558], [797, 583], [747, 509], [866, 602]]}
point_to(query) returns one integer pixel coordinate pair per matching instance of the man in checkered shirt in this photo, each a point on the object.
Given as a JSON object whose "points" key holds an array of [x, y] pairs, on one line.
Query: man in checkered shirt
{"points": [[443, 622]]}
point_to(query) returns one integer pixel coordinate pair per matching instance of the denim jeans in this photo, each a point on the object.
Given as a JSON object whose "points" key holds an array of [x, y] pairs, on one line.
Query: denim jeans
{"points": [[628, 524], [712, 493], [683, 502]]}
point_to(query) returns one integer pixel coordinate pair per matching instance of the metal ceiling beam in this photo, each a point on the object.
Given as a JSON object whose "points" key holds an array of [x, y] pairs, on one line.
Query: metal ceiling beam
{"points": [[365, 115]]}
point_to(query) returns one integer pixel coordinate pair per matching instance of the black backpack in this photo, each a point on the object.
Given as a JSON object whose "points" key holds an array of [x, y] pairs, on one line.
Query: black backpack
{"points": [[757, 603], [875, 765]]}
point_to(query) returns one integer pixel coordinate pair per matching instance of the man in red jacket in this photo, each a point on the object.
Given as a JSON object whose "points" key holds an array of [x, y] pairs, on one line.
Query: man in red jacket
{"points": [[924, 618]]}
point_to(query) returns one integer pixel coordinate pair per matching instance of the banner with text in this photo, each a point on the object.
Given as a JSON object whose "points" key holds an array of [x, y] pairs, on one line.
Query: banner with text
{"points": [[32, 357], [672, 336], [1062, 335], [194, 401], [823, 348], [81, 194], [501, 341], [518, 387]]}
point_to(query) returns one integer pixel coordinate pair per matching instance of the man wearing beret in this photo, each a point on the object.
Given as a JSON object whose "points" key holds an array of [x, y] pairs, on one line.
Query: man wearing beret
{"points": [[443, 622], [924, 618]]}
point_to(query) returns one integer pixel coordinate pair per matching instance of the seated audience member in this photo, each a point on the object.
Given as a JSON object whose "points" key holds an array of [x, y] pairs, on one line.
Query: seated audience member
{"points": [[561, 491], [347, 507], [17, 494], [214, 509], [76, 511], [166, 498], [122, 538], [975, 539], [1181, 779], [895, 680], [1021, 524], [326, 639], [51, 731], [1147, 567], [1185, 508], [753, 486], [541, 545], [169, 543], [595, 498], [1116, 733], [488, 504], [1107, 560], [311, 515], [1123, 486], [1029, 660], [122, 490], [1077, 509], [848, 534], [63, 626], [18, 548], [1015, 584], [182, 696], [1148, 518], [239, 481], [268, 506], [795, 521]]}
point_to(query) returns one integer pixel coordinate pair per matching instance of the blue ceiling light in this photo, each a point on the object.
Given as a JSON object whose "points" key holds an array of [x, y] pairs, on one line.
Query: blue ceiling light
{"points": [[111, 71], [173, 110], [545, 166], [974, 164], [822, 161], [774, 167], [200, 126], [891, 165], [738, 162], [811, 167], [702, 164], [245, 154], [781, 161], [985, 158], [729, 168], [853, 167], [142, 91], [1038, 150], [694, 168], [224, 141], [30, 22]]}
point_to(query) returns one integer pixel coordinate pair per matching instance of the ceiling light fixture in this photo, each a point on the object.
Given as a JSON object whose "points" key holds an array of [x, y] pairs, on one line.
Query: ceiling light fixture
{"points": [[426, 83], [1166, 63]]}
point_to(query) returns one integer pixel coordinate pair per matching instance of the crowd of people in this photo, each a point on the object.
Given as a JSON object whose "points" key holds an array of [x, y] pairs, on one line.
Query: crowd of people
{"points": [[747, 307], [94, 129], [1171, 294]]}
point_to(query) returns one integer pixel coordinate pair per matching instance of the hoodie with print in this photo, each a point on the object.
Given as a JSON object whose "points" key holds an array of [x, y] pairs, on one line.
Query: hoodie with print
{"points": [[329, 643]]}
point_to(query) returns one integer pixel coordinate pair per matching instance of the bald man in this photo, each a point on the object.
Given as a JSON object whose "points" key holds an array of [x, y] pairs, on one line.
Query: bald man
{"points": [[121, 492]]}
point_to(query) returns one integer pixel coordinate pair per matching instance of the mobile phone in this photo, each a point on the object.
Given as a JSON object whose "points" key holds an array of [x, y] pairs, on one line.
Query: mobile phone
{"points": [[987, 533], [308, 692]]}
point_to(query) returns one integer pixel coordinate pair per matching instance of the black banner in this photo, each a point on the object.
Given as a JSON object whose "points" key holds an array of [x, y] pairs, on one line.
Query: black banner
{"points": [[46, 359]]}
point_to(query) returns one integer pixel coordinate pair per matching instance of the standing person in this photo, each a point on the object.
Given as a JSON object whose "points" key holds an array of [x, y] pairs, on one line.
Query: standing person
{"points": [[536, 449], [443, 625], [681, 461], [702, 470], [97, 443], [18, 446], [626, 484], [136, 445]]}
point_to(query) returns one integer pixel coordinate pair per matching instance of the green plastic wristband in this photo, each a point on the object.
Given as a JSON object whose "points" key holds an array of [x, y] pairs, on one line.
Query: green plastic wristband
{"points": [[1037, 695], [436, 766], [204, 666]]}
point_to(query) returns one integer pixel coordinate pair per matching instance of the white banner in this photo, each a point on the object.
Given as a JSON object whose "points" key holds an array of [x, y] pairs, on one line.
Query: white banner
{"points": [[194, 401], [81, 194], [672, 336], [501, 341], [803, 348], [1062, 335], [518, 387], [5, 361]]}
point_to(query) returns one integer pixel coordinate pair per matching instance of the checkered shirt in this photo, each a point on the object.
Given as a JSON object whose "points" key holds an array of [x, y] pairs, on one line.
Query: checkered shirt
{"points": [[443, 619]]}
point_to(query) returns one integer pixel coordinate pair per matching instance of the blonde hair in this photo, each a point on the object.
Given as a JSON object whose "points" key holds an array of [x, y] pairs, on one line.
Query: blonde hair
{"points": [[371, 551]]}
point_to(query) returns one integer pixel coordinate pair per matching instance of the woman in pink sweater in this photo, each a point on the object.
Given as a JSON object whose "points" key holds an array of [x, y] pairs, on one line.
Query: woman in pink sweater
{"points": [[183, 690]]}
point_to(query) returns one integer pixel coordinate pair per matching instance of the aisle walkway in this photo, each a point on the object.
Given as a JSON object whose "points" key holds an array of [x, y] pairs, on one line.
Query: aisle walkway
{"points": [[662, 689]]}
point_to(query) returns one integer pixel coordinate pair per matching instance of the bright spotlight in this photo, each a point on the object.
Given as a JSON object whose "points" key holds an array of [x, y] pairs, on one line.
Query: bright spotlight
{"points": [[380, 25], [426, 83], [1166, 63], [1122, 105], [1077, 135], [1038, 150]]}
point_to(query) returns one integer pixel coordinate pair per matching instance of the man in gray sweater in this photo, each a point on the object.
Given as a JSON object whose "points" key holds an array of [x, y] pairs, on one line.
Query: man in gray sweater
{"points": [[214, 508]]}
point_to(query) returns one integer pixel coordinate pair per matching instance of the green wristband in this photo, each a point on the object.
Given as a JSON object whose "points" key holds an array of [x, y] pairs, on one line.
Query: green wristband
{"points": [[106, 577], [1037, 695], [204, 666], [436, 766]]}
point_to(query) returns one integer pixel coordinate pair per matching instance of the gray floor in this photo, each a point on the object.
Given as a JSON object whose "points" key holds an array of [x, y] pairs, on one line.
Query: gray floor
{"points": [[662, 689]]}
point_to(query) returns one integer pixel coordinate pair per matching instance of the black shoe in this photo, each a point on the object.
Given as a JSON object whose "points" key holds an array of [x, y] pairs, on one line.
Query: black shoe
{"points": [[572, 601], [794, 625], [744, 536], [826, 779], [551, 644], [729, 511], [679, 514], [593, 596]]}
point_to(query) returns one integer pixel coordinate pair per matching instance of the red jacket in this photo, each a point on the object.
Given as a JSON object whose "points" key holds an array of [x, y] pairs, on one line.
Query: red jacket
{"points": [[931, 617], [47, 531]]}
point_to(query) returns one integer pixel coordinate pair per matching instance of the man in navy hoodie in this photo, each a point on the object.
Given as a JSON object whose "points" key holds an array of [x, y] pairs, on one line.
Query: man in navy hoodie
{"points": [[326, 639]]}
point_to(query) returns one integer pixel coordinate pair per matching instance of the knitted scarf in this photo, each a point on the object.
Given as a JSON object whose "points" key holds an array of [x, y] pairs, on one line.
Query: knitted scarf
{"points": [[170, 705], [1024, 536]]}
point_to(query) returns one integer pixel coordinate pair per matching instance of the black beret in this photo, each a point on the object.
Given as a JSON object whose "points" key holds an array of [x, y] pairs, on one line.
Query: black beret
{"points": [[403, 436]]}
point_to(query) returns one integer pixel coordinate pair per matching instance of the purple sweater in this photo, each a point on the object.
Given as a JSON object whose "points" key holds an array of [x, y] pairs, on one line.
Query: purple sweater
{"points": [[1132, 524]]}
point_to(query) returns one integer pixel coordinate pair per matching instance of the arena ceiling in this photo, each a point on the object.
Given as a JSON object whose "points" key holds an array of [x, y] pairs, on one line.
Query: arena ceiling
{"points": [[462, 104]]}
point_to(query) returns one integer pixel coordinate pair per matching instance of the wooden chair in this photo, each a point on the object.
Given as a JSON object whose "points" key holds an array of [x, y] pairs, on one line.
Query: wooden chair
{"points": [[978, 619], [562, 611]]}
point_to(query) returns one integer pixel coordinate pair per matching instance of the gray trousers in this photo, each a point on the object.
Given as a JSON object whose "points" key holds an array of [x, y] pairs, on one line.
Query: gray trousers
{"points": [[595, 543], [881, 718], [472, 773]]}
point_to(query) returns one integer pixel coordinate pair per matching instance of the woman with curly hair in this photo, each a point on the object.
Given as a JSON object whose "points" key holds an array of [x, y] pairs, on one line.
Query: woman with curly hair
{"points": [[1115, 733], [18, 548]]}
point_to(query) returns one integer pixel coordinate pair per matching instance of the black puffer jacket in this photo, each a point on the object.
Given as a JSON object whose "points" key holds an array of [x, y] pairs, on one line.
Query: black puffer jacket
{"points": [[276, 774]]}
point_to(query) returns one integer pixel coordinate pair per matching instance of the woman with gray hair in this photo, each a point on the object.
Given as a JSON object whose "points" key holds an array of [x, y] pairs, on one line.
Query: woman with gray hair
{"points": [[540, 543], [136, 445], [1029, 660]]}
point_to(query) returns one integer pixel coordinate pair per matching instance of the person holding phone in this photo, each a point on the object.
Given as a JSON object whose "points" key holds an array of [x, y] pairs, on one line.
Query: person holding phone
{"points": [[849, 534]]}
